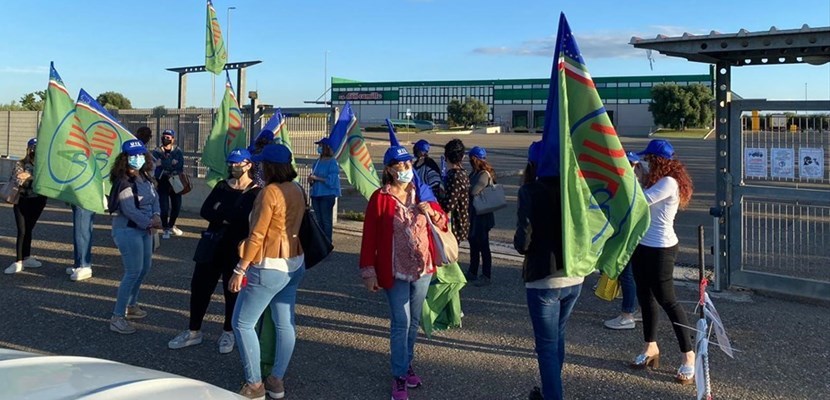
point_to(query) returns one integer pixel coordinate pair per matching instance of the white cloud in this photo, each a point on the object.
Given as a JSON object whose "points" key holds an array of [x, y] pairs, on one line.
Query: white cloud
{"points": [[607, 44], [24, 70]]}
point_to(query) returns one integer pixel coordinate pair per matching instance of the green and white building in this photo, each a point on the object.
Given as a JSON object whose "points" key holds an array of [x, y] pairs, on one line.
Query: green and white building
{"points": [[516, 104]]}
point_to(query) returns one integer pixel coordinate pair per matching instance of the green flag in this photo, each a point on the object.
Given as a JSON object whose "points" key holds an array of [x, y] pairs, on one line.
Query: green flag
{"points": [[227, 134], [442, 306], [351, 153], [65, 168], [604, 211], [216, 55]]}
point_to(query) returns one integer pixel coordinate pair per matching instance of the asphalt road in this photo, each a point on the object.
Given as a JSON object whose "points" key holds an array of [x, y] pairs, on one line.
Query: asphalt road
{"points": [[342, 341]]}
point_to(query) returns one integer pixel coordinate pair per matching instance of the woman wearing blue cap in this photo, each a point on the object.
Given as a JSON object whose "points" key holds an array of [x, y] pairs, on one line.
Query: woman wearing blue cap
{"points": [[325, 185], [170, 163], [668, 188], [137, 213], [426, 168], [226, 209], [482, 176], [27, 210], [398, 255]]}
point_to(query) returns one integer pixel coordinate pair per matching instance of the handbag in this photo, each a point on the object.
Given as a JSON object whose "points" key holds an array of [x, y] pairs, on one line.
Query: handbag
{"points": [[176, 183], [490, 199], [208, 243], [316, 245], [607, 289], [186, 183], [446, 243], [10, 193]]}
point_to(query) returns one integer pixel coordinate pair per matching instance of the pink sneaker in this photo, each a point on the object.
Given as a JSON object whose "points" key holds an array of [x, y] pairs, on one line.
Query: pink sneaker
{"points": [[399, 389], [412, 380]]}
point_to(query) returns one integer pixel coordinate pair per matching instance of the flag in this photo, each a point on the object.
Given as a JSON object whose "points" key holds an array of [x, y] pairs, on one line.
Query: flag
{"points": [[442, 306], [424, 191], [64, 166], [604, 211], [216, 55], [351, 153], [105, 135], [277, 128], [227, 134]]}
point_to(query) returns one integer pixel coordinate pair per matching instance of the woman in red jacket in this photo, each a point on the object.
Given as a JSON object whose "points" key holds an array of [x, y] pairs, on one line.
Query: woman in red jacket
{"points": [[398, 255]]}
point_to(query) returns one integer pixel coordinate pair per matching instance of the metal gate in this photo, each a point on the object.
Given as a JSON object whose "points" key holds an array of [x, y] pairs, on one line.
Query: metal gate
{"points": [[778, 219]]}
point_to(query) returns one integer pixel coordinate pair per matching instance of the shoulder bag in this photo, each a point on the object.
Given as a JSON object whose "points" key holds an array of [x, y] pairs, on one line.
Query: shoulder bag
{"points": [[180, 183], [316, 245], [490, 199], [445, 242], [10, 193]]}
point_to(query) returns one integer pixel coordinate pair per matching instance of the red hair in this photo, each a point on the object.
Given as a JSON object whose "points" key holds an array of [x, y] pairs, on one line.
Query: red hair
{"points": [[660, 167]]}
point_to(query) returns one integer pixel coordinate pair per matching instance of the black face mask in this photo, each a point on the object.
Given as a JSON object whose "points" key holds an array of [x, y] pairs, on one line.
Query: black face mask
{"points": [[166, 141]]}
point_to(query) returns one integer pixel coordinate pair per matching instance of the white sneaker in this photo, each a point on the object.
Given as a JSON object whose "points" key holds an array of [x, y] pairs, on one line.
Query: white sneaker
{"points": [[638, 316], [176, 231], [226, 342], [31, 262], [166, 234], [120, 325], [619, 323], [80, 274], [185, 339], [14, 267], [70, 270]]}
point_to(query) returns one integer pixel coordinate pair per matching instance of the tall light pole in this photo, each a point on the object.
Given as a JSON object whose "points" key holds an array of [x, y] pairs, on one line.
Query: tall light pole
{"points": [[326, 72], [805, 91], [228, 34]]}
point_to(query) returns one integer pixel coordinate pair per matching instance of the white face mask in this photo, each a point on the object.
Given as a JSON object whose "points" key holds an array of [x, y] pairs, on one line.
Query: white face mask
{"points": [[405, 176]]}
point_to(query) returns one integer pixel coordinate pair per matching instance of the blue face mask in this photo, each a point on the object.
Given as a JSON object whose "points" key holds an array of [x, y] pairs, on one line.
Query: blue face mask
{"points": [[320, 150], [136, 161], [405, 176]]}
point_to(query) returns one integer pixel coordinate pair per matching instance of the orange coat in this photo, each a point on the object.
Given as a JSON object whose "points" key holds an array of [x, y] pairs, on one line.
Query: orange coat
{"points": [[275, 224]]}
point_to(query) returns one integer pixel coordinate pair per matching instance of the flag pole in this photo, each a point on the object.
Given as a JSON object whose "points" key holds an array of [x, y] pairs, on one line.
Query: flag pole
{"points": [[212, 91]]}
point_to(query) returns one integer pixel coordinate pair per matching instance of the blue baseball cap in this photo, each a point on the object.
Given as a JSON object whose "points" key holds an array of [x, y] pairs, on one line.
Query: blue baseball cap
{"points": [[396, 154], [478, 152], [133, 147], [658, 147], [422, 146], [632, 157], [239, 155], [534, 152], [274, 153], [32, 142], [169, 132]]}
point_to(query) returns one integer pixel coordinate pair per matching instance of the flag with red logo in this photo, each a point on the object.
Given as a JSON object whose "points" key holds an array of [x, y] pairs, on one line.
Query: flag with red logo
{"points": [[216, 55], [351, 153], [228, 133], [604, 211]]}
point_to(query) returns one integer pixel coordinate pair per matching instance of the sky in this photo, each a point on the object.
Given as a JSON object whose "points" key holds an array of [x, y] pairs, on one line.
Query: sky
{"points": [[126, 46]]}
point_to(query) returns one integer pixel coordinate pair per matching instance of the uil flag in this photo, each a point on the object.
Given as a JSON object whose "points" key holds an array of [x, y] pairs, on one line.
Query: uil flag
{"points": [[277, 128], [65, 168], [604, 211], [105, 135], [216, 55], [227, 134], [351, 153]]}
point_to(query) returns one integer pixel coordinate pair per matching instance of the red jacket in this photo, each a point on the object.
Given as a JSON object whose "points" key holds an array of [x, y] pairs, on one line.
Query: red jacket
{"points": [[376, 249]]}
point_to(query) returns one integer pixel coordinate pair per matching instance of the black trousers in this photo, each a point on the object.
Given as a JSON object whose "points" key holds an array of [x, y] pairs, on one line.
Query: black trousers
{"points": [[170, 203], [26, 213], [203, 284], [653, 273]]}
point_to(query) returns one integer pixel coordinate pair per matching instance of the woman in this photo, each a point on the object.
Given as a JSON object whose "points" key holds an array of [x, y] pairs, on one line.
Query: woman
{"points": [[27, 210], [398, 255], [551, 295], [170, 160], [226, 209], [482, 176], [271, 258], [426, 168], [456, 203], [668, 188], [137, 214], [325, 185]]}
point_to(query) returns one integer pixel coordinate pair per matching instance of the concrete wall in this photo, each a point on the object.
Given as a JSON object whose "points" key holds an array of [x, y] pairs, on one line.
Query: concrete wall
{"points": [[16, 128]]}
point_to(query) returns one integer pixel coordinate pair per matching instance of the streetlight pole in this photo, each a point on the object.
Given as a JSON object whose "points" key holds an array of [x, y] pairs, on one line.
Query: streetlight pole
{"points": [[228, 34], [805, 91], [325, 73]]}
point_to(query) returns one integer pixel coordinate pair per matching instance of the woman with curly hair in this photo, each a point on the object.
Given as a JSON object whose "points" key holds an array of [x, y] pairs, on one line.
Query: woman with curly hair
{"points": [[456, 202], [667, 187]]}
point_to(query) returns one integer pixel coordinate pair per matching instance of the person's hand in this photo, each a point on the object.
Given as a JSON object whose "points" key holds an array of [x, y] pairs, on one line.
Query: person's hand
{"points": [[310, 179], [235, 285], [155, 222], [371, 284], [23, 176], [175, 162], [426, 208]]}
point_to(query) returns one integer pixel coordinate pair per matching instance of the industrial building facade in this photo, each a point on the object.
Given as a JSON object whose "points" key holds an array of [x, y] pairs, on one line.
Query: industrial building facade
{"points": [[516, 104]]}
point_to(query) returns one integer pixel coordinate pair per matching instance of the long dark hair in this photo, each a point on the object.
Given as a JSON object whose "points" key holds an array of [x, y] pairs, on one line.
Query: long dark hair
{"points": [[659, 167], [277, 172], [121, 166], [482, 165], [327, 151]]}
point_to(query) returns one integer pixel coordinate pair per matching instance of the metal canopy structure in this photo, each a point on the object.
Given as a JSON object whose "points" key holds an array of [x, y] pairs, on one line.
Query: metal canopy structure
{"points": [[741, 49], [240, 78]]}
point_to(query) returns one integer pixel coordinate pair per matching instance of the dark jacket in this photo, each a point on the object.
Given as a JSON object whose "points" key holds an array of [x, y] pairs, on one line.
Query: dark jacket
{"points": [[167, 168], [539, 228], [228, 209]]}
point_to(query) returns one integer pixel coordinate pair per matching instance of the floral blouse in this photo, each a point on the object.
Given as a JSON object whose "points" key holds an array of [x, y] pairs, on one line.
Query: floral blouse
{"points": [[457, 202], [411, 257]]}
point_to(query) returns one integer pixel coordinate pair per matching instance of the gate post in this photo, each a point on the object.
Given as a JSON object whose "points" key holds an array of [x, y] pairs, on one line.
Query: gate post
{"points": [[723, 177]]}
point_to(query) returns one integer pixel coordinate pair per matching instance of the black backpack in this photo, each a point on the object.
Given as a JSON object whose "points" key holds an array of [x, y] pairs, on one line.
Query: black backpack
{"points": [[112, 198]]}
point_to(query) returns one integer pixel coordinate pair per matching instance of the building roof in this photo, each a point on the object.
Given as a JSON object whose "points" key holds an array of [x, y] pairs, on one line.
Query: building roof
{"points": [[743, 48], [348, 83]]}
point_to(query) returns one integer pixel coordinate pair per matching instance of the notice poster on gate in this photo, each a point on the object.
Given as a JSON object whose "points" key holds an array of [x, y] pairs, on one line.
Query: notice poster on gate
{"points": [[755, 162], [781, 164], [811, 163]]}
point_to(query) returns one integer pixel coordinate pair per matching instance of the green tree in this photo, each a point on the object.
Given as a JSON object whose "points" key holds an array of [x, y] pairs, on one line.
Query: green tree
{"points": [[33, 101], [676, 106], [455, 115], [13, 106], [471, 112], [158, 111], [424, 115], [114, 100]]}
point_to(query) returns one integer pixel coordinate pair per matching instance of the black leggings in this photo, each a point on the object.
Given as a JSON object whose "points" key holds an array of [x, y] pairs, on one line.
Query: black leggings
{"points": [[26, 213], [653, 273], [170, 203], [205, 278], [480, 253]]}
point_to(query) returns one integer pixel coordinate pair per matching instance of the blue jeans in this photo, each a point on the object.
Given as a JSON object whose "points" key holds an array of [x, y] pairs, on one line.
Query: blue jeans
{"points": [[629, 290], [324, 208], [406, 301], [82, 220], [549, 312], [279, 290], [136, 247]]}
